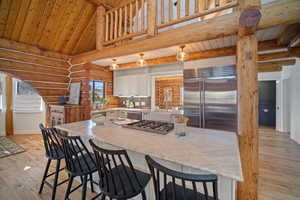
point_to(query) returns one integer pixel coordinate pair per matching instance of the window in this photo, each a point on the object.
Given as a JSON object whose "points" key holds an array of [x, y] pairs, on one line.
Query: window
{"points": [[97, 90], [25, 89], [26, 99]]}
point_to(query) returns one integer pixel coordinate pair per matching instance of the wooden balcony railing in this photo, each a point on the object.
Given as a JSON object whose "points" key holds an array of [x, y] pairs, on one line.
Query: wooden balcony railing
{"points": [[146, 17], [126, 22], [185, 10]]}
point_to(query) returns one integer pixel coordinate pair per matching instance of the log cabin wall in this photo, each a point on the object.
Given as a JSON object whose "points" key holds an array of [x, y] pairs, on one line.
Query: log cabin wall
{"points": [[87, 72], [172, 82], [45, 71]]}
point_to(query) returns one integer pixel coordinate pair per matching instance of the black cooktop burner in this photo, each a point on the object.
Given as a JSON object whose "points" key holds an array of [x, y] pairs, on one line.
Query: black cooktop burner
{"points": [[151, 126]]}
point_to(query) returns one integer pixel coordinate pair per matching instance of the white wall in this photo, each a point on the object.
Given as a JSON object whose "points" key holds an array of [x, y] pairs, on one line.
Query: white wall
{"points": [[282, 98], [295, 102], [27, 123]]}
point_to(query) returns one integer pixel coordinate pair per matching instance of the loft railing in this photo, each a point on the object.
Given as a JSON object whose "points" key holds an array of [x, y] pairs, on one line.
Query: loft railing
{"points": [[146, 17], [126, 22], [171, 13]]}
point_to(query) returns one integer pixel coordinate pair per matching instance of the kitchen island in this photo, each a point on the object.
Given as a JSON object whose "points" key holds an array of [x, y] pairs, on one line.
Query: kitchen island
{"points": [[201, 151]]}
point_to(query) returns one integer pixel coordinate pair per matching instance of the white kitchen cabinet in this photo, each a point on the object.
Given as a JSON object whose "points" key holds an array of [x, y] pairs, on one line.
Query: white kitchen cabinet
{"points": [[131, 85]]}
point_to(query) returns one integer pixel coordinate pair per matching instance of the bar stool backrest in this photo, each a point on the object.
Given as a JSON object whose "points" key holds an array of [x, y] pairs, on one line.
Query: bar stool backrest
{"points": [[52, 144], [163, 176], [116, 173], [77, 156]]}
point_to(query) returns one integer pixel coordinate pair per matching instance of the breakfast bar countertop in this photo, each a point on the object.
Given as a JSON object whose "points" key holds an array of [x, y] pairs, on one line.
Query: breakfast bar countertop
{"points": [[209, 150]]}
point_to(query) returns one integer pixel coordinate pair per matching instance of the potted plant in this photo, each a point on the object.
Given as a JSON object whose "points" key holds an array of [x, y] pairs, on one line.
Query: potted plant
{"points": [[102, 102]]}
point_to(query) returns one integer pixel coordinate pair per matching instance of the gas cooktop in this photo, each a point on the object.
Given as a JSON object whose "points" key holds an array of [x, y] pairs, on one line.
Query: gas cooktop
{"points": [[151, 126]]}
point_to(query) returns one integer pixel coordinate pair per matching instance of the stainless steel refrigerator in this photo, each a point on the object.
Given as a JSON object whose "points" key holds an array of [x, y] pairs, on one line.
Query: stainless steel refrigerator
{"points": [[210, 97]]}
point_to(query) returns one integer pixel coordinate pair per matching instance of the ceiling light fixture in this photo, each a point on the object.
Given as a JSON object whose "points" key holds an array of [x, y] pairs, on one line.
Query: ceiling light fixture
{"points": [[142, 62], [181, 55], [114, 64]]}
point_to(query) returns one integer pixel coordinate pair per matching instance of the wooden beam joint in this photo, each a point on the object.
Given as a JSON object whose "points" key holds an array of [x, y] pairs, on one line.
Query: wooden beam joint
{"points": [[248, 21]]}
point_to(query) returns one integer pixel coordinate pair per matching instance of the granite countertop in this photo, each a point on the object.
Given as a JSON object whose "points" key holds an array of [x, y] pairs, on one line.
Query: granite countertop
{"points": [[209, 150], [144, 110], [123, 109]]}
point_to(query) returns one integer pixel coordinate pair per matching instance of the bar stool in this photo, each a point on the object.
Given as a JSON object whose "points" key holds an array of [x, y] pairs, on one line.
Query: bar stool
{"points": [[168, 188], [79, 163], [54, 151], [119, 179]]}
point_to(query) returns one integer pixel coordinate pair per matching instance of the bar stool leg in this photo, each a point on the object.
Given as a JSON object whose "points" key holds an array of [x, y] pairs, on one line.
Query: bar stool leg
{"points": [[55, 179], [84, 186], [144, 195], [91, 182], [71, 178], [45, 175]]}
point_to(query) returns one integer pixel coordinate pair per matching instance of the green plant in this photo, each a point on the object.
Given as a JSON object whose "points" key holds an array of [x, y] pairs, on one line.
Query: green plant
{"points": [[103, 101]]}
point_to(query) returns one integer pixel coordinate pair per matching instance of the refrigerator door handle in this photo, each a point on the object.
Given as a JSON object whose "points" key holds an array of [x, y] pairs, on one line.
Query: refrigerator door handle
{"points": [[203, 104], [200, 105]]}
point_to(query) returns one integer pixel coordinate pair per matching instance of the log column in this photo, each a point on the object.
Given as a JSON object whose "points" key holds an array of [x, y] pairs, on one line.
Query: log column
{"points": [[248, 98], [100, 27], [9, 120]]}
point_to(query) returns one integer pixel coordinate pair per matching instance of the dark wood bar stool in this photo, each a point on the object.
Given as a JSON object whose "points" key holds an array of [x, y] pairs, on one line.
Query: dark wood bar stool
{"points": [[54, 151], [79, 163], [167, 188], [119, 179]]}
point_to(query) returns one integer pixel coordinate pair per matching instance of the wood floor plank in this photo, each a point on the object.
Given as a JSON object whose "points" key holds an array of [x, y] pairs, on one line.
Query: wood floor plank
{"points": [[19, 184]]}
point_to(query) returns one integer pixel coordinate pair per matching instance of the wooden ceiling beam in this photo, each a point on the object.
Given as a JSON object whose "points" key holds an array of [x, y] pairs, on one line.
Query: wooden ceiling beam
{"points": [[281, 63], [267, 68], [9, 44], [288, 34], [29, 58], [109, 4], [295, 41], [205, 30], [274, 66], [228, 51], [101, 3], [292, 52]]}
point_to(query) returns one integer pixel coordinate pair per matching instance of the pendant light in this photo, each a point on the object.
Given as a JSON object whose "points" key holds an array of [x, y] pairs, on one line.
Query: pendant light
{"points": [[114, 64], [141, 62], [181, 55]]}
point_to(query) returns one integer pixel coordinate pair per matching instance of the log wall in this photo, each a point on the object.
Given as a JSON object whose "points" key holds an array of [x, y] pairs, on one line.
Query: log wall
{"points": [[45, 71], [87, 72], [172, 82]]}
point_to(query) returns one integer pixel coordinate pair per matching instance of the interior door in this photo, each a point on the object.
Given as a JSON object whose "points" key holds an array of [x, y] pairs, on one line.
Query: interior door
{"points": [[267, 103], [220, 104]]}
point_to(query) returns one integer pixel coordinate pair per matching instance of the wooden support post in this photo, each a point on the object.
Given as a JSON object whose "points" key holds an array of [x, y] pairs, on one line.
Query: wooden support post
{"points": [[152, 15], [247, 71], [9, 120], [100, 27]]}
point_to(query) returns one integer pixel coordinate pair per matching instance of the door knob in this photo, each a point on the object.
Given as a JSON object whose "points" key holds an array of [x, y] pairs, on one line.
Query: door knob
{"points": [[266, 110]]}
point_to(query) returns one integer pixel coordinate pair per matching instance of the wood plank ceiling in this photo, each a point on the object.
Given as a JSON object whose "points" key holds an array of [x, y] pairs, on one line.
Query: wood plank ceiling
{"points": [[66, 26]]}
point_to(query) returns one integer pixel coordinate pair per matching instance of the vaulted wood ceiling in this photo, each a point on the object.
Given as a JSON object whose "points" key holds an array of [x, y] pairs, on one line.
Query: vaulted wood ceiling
{"points": [[66, 26]]}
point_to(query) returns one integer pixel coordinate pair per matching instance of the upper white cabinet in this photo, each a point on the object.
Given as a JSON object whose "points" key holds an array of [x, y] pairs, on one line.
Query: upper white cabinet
{"points": [[131, 85]]}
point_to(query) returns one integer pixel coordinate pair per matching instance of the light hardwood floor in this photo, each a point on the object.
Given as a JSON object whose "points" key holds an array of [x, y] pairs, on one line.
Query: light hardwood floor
{"points": [[279, 163], [279, 166], [19, 184]]}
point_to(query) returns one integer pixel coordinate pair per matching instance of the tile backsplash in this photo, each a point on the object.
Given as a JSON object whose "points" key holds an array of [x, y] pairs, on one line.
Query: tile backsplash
{"points": [[136, 102]]}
